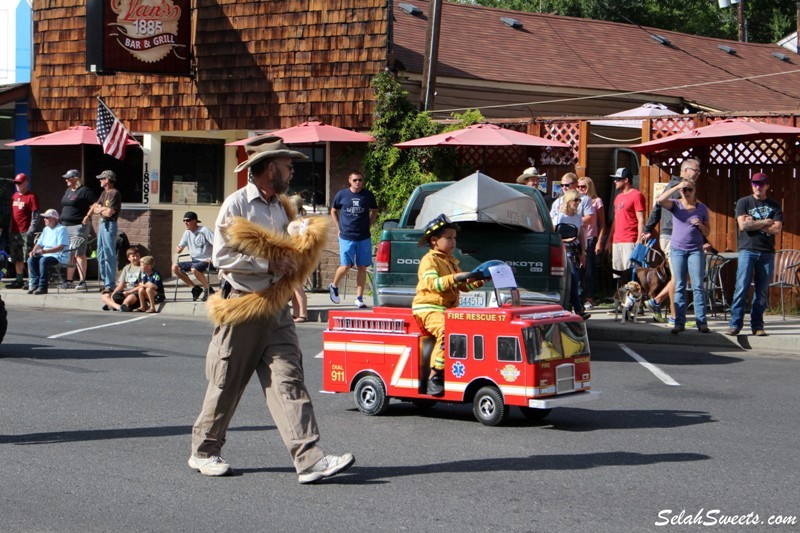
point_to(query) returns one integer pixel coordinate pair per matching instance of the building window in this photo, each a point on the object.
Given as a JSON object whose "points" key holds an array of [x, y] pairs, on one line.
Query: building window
{"points": [[192, 170]]}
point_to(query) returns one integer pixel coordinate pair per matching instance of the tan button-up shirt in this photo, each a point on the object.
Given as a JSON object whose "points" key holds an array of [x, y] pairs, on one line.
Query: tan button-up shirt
{"points": [[244, 272]]}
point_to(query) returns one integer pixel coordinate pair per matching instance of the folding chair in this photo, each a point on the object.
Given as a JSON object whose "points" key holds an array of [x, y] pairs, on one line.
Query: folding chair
{"points": [[785, 276], [212, 271], [58, 272], [715, 289]]}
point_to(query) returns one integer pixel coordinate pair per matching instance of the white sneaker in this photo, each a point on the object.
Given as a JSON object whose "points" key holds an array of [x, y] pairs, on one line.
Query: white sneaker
{"points": [[213, 465], [334, 293], [326, 467], [360, 303]]}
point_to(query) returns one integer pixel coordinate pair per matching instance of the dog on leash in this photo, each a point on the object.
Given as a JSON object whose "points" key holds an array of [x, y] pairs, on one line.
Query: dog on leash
{"points": [[628, 300]]}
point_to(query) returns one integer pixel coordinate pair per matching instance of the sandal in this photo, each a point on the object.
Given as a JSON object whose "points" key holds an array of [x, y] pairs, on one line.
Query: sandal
{"points": [[151, 310], [300, 319]]}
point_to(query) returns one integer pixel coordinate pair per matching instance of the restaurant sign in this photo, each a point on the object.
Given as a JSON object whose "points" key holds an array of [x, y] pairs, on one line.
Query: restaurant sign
{"points": [[149, 36]]}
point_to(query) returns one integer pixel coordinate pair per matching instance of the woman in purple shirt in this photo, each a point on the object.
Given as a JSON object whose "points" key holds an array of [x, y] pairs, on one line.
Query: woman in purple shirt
{"points": [[689, 228]]}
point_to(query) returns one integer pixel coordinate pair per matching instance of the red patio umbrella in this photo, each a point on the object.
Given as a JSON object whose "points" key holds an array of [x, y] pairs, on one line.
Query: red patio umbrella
{"points": [[72, 136], [481, 135], [312, 133], [730, 131]]}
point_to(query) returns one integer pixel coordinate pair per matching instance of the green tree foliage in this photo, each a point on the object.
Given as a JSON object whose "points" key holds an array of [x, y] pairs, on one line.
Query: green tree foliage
{"points": [[767, 20], [391, 173]]}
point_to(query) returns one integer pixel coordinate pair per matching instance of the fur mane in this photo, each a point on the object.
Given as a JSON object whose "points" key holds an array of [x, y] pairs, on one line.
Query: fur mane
{"points": [[252, 239]]}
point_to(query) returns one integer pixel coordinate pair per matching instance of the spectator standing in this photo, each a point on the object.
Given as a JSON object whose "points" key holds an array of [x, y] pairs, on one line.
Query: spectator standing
{"points": [[595, 229], [690, 170], [576, 247], [108, 207], [354, 210], [759, 218], [75, 203], [24, 221], [267, 346], [299, 298], [48, 251], [569, 182], [628, 224], [201, 248], [690, 226], [530, 177]]}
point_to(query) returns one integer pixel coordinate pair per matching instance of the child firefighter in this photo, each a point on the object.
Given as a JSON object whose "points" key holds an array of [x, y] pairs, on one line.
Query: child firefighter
{"points": [[440, 281]]}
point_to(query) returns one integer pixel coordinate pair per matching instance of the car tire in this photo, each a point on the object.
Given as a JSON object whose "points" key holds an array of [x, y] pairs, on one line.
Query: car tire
{"points": [[370, 396], [488, 407]]}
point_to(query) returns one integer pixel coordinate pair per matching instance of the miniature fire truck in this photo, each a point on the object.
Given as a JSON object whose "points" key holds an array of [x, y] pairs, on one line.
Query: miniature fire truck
{"points": [[535, 358]]}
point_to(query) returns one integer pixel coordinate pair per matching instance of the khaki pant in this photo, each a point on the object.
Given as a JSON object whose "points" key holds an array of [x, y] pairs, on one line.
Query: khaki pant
{"points": [[270, 348], [433, 321]]}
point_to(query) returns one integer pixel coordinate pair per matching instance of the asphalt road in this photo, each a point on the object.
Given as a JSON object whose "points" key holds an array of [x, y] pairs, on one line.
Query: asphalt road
{"points": [[94, 436]]}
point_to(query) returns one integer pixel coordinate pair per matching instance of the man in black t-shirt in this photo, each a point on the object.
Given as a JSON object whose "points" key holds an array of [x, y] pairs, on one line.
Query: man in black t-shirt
{"points": [[75, 203], [759, 219]]}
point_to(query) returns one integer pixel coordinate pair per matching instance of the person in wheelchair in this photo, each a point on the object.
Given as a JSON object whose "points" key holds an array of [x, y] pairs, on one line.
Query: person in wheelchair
{"points": [[569, 224], [201, 243], [49, 251], [440, 282]]}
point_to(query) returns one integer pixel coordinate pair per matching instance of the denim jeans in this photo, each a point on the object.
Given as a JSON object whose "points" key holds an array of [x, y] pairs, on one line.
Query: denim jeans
{"points": [[107, 252], [758, 267], [575, 289], [589, 273], [37, 270], [685, 266]]}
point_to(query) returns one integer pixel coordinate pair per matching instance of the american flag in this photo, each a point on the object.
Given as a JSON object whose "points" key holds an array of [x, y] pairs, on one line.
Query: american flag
{"points": [[110, 132]]}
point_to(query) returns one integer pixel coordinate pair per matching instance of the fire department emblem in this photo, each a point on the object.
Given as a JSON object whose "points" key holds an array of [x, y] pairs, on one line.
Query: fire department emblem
{"points": [[510, 373], [148, 29], [459, 369]]}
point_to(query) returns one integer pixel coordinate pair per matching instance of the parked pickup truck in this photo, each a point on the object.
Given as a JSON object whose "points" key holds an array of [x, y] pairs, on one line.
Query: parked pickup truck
{"points": [[537, 257]]}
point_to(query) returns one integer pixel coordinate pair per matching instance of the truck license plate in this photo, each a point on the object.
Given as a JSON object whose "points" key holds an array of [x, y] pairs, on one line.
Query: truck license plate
{"points": [[472, 299]]}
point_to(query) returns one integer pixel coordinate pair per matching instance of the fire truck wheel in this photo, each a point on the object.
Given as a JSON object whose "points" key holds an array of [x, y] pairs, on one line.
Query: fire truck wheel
{"points": [[488, 406], [534, 414], [370, 396]]}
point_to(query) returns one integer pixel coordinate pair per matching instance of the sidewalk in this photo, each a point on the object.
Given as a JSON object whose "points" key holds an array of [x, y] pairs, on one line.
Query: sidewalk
{"points": [[784, 336]]}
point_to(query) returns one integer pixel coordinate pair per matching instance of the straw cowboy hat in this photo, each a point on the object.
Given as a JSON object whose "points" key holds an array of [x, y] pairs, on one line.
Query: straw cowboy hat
{"points": [[530, 172], [265, 147]]}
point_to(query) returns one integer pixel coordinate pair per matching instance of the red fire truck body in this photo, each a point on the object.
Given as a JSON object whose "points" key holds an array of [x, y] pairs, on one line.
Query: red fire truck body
{"points": [[534, 357]]}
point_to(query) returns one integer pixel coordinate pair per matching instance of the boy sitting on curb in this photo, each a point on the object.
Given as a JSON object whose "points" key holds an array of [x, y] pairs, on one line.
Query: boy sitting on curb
{"points": [[151, 287], [440, 282], [125, 295]]}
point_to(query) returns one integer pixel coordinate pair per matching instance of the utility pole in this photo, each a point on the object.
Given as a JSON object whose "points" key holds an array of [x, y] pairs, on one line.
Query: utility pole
{"points": [[742, 23], [427, 94]]}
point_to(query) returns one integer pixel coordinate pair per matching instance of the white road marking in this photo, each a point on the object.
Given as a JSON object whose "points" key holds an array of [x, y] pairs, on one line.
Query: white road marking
{"points": [[657, 372], [74, 331]]}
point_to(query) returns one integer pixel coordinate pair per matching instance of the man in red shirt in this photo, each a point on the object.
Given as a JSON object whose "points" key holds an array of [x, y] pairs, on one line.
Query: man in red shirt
{"points": [[24, 221], [629, 209]]}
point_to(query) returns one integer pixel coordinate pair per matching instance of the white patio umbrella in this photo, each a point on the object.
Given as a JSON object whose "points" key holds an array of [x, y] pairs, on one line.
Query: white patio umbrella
{"points": [[619, 120]]}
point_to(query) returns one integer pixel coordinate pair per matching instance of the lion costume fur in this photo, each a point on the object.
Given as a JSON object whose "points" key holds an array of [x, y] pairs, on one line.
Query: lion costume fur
{"points": [[304, 249]]}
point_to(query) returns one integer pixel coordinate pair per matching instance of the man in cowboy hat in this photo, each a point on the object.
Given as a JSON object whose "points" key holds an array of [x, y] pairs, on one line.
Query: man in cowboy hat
{"points": [[108, 207], [530, 177], [267, 346]]}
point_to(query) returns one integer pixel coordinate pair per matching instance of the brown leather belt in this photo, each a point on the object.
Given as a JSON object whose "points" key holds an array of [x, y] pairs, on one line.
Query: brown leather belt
{"points": [[236, 293]]}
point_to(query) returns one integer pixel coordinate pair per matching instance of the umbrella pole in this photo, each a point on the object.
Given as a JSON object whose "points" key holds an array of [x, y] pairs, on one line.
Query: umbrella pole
{"points": [[313, 178]]}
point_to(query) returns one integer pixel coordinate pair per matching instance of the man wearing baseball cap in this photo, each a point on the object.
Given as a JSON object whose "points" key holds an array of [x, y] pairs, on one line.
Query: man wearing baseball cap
{"points": [[24, 221], [200, 241], [759, 219], [50, 249], [108, 207]]}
